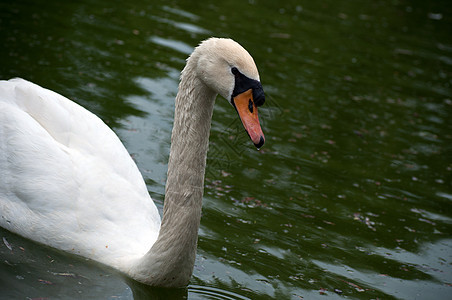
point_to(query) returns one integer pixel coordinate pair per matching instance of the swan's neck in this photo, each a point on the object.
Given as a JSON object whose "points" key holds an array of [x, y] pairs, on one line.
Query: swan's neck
{"points": [[171, 259]]}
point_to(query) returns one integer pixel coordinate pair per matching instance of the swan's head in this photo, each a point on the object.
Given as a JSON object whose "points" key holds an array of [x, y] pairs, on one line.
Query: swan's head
{"points": [[228, 69]]}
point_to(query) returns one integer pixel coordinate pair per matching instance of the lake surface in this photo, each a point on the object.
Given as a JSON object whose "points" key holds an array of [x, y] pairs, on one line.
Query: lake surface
{"points": [[350, 197]]}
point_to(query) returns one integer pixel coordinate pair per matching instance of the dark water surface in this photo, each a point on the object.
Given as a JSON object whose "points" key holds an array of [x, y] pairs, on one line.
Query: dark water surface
{"points": [[351, 196]]}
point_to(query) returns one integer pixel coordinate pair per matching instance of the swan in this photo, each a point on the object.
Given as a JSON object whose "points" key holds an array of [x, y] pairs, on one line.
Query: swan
{"points": [[67, 181]]}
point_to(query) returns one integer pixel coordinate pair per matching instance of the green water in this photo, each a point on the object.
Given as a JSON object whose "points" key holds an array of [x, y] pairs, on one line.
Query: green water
{"points": [[351, 196]]}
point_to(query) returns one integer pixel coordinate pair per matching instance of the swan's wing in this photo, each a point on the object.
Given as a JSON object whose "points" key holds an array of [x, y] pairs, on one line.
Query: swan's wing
{"points": [[71, 125], [65, 178]]}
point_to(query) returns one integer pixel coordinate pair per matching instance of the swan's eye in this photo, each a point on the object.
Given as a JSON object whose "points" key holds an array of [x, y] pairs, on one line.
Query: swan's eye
{"points": [[234, 71]]}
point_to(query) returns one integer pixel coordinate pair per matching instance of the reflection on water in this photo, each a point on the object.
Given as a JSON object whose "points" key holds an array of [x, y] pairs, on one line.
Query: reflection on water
{"points": [[350, 196], [172, 44], [33, 271]]}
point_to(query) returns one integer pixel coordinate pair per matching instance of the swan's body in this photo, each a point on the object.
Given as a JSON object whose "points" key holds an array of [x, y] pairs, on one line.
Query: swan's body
{"points": [[68, 182]]}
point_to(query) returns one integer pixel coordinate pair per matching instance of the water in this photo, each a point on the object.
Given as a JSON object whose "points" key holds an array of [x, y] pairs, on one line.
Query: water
{"points": [[350, 197]]}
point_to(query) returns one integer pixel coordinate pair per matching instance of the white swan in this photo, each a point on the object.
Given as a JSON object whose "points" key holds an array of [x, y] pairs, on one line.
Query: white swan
{"points": [[68, 182]]}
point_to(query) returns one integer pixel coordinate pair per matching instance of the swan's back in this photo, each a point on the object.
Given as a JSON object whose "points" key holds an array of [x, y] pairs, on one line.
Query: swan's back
{"points": [[67, 181]]}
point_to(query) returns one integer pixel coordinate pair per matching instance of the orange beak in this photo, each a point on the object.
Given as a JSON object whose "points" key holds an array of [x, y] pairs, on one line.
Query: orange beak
{"points": [[247, 110]]}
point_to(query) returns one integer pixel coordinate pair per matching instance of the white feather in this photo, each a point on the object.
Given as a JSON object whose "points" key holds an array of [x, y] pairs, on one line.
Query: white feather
{"points": [[66, 179]]}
